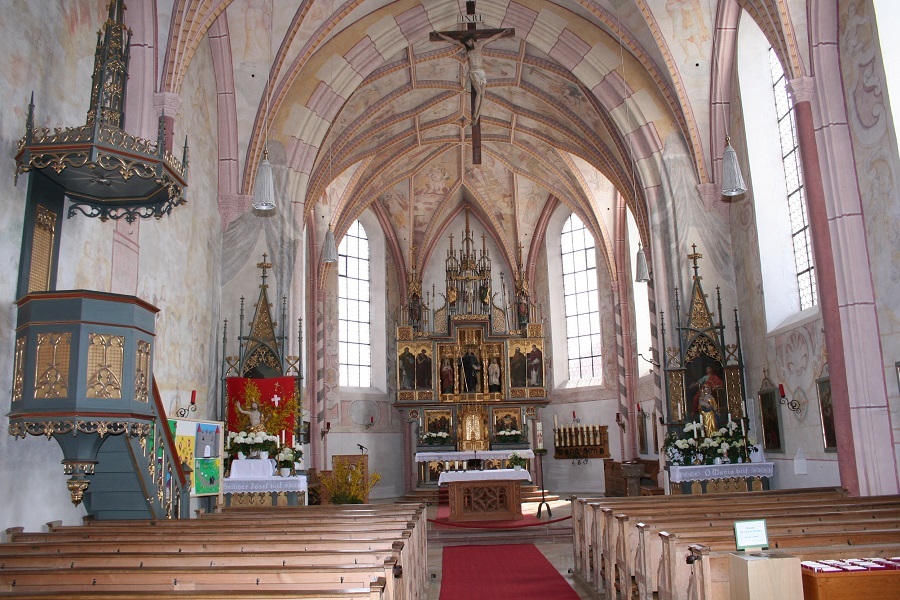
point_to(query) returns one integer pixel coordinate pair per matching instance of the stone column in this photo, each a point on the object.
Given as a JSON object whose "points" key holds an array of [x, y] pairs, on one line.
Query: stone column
{"points": [[846, 296]]}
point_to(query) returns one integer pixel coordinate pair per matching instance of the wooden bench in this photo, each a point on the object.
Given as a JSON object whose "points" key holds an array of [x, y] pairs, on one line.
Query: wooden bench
{"points": [[605, 529], [587, 528], [357, 553], [710, 576]]}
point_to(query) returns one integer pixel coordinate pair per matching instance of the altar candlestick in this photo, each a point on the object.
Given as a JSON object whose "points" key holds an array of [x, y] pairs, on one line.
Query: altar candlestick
{"points": [[781, 389], [695, 433], [539, 434], [729, 418], [372, 420]]}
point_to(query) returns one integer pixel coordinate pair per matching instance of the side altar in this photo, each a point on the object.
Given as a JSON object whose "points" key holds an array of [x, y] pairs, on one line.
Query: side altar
{"points": [[470, 372]]}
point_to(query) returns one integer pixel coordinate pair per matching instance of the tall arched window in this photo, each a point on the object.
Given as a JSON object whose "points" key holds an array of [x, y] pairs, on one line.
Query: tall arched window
{"points": [[793, 179], [579, 269], [354, 326]]}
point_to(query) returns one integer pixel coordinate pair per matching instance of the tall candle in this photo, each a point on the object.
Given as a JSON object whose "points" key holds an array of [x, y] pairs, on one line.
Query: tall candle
{"points": [[555, 422], [193, 396], [539, 434], [743, 433], [573, 415], [781, 389], [729, 418]]}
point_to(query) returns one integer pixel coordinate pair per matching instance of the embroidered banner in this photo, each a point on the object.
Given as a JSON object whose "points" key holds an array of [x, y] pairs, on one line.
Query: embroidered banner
{"points": [[271, 404]]}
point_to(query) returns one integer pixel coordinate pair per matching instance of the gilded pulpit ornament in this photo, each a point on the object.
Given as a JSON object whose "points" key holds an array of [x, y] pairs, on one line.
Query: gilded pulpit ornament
{"points": [[105, 171]]}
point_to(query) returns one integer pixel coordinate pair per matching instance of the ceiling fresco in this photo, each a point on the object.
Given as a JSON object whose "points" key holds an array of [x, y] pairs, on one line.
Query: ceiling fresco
{"points": [[581, 98]]}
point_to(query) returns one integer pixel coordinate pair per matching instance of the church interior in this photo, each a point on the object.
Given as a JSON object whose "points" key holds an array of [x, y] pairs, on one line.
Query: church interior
{"points": [[603, 245]]}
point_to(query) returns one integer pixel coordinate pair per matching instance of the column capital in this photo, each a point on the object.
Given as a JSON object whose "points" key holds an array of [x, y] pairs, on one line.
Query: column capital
{"points": [[802, 89], [167, 104]]}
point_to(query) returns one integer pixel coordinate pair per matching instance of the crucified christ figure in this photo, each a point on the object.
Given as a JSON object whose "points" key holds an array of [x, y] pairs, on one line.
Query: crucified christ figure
{"points": [[473, 46]]}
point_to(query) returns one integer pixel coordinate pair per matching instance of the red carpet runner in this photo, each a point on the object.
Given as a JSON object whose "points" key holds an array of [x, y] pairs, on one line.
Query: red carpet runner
{"points": [[515, 571]]}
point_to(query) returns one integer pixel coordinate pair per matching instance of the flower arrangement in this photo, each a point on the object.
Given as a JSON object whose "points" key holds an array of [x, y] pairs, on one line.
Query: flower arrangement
{"points": [[727, 444], [435, 437], [347, 484], [509, 435], [288, 455], [252, 442], [516, 460]]}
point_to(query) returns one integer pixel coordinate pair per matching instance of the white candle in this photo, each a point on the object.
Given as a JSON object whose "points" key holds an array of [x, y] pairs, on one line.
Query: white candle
{"points": [[539, 433], [743, 433], [729, 418], [695, 433], [555, 422]]}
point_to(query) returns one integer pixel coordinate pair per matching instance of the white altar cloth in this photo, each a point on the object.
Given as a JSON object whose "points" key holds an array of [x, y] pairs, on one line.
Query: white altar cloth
{"points": [[485, 454], [678, 474], [252, 468], [492, 475], [233, 485]]}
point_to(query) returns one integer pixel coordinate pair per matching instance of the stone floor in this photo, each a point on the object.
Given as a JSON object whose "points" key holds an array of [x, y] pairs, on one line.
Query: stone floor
{"points": [[560, 554]]}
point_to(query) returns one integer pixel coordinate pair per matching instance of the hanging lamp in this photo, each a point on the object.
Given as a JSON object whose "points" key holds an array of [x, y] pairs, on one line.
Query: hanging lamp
{"points": [[264, 188], [329, 249], [732, 180], [642, 273]]}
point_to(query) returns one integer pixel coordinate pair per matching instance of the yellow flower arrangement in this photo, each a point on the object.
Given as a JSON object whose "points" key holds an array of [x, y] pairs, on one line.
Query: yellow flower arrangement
{"points": [[347, 484]]}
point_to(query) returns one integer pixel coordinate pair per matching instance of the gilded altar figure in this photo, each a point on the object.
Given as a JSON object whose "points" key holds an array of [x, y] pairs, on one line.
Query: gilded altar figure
{"points": [[254, 414], [708, 409]]}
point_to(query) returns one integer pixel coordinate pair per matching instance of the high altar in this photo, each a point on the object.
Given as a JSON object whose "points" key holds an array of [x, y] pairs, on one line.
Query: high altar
{"points": [[470, 372]]}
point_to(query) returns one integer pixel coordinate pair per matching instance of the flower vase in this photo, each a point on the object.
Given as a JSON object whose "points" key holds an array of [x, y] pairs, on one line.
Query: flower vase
{"points": [[285, 471], [517, 467], [263, 455], [717, 461], [241, 456]]}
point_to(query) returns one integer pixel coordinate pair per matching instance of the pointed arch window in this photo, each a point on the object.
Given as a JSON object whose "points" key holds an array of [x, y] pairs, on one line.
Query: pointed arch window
{"points": [[579, 270], [354, 301], [793, 179]]}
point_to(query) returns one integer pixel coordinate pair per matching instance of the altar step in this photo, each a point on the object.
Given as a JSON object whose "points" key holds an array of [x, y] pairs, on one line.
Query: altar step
{"points": [[558, 532], [435, 495]]}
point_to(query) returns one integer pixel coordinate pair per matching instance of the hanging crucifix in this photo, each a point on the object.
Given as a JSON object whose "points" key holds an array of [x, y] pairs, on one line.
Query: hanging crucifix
{"points": [[473, 40]]}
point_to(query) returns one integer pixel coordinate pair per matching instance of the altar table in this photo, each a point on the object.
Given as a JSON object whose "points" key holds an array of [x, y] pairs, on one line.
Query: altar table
{"points": [[485, 495], [252, 468], [469, 454], [265, 491], [708, 479]]}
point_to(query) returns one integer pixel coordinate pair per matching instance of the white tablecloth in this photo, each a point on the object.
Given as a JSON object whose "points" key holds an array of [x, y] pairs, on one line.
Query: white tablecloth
{"points": [[678, 474], [252, 468], [492, 475], [486, 454], [268, 484]]}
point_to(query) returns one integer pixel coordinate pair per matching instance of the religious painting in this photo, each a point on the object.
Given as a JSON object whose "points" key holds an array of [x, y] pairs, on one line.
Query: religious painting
{"points": [[472, 375], [526, 363], [270, 405], [771, 422], [415, 366], [706, 372], [448, 362], [826, 411], [536, 364], [507, 419], [642, 430], [439, 421]]}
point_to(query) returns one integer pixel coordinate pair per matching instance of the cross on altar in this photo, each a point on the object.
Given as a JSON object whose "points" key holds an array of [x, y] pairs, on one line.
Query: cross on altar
{"points": [[276, 399], [473, 40]]}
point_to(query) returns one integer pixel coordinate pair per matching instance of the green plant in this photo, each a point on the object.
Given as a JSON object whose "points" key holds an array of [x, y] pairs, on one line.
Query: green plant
{"points": [[287, 456], [516, 460], [348, 484]]}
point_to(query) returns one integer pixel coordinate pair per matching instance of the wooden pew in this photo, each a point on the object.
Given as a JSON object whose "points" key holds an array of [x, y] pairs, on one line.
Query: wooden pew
{"points": [[643, 540], [615, 550], [353, 556], [708, 575]]}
